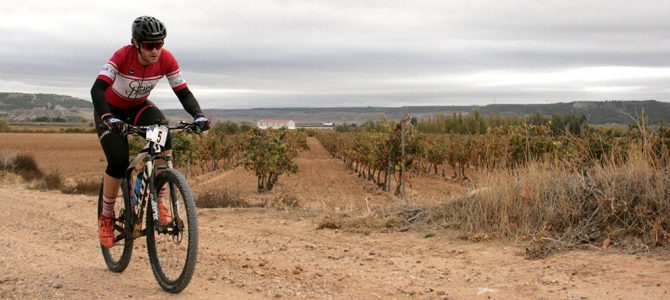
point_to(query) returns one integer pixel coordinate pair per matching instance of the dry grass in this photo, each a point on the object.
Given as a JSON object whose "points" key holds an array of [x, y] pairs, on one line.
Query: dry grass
{"points": [[7, 177], [22, 164], [553, 207], [51, 181], [610, 204], [89, 186], [351, 222], [280, 199], [25, 166], [219, 199], [387, 219]]}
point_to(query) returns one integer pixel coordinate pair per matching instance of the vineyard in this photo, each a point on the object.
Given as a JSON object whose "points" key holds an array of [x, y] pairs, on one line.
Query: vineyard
{"points": [[386, 147], [552, 179], [269, 153]]}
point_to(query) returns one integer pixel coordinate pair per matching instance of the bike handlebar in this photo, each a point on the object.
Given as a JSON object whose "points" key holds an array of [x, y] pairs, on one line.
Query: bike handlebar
{"points": [[184, 126]]}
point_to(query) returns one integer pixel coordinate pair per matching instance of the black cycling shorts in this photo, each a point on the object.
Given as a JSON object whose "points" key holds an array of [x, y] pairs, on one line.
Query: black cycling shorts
{"points": [[115, 145]]}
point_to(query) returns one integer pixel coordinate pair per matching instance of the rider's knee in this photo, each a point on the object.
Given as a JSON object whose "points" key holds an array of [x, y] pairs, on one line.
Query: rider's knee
{"points": [[118, 169]]}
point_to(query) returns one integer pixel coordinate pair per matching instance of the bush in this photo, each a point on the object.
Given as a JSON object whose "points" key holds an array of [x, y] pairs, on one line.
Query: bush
{"points": [[219, 199], [4, 125], [281, 201], [23, 165], [352, 222], [90, 186], [53, 181], [270, 154], [50, 181], [6, 163]]}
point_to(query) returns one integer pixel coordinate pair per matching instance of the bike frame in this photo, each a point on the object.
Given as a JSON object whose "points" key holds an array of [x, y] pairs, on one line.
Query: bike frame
{"points": [[152, 151]]}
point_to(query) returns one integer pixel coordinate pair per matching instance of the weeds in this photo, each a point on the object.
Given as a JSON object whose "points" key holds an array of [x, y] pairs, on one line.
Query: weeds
{"points": [[219, 199], [23, 165], [52, 181], [90, 186], [557, 208], [281, 201], [352, 222], [550, 206]]}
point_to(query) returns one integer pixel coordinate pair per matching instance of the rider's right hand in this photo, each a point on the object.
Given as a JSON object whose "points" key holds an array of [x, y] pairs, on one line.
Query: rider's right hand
{"points": [[115, 125]]}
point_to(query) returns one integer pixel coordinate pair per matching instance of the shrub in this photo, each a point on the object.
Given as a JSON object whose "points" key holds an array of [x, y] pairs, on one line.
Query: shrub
{"points": [[281, 200], [4, 125], [269, 153], [23, 165], [53, 181], [219, 199], [90, 186], [50, 181]]}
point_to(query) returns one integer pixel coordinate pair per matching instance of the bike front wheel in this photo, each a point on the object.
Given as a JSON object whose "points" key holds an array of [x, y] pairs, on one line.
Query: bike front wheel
{"points": [[173, 248], [117, 258]]}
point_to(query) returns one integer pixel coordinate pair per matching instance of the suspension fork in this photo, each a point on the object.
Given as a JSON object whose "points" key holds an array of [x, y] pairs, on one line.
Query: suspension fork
{"points": [[173, 193]]}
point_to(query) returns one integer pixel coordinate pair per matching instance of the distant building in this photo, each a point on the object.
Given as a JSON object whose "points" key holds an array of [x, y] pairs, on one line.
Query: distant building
{"points": [[275, 124]]}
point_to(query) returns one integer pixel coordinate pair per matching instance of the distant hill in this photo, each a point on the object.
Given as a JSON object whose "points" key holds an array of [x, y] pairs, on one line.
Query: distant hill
{"points": [[597, 112], [26, 107]]}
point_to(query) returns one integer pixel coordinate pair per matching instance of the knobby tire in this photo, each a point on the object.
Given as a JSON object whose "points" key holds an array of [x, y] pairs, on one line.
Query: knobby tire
{"points": [[177, 181], [120, 264]]}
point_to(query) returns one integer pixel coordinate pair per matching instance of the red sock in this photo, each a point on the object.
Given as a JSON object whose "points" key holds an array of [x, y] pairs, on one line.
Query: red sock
{"points": [[108, 206]]}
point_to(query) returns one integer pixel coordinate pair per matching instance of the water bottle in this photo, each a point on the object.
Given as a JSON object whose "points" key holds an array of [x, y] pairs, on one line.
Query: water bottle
{"points": [[138, 189]]}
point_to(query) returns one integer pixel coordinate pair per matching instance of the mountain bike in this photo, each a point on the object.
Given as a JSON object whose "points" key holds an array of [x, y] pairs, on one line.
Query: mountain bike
{"points": [[173, 249]]}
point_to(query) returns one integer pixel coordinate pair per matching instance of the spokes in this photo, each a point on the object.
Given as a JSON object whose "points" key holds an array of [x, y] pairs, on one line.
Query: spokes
{"points": [[172, 245], [119, 230]]}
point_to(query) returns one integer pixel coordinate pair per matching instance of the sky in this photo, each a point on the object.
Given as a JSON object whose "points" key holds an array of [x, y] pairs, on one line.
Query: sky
{"points": [[284, 53]]}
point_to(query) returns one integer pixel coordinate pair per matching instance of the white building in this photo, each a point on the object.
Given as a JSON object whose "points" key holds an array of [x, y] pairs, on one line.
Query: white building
{"points": [[275, 124]]}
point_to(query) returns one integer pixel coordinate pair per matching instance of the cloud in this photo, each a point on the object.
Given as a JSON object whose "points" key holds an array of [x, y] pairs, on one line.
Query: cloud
{"points": [[322, 53]]}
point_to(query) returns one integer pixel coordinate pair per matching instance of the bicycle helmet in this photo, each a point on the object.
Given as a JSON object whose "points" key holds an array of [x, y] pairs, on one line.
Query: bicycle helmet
{"points": [[147, 28]]}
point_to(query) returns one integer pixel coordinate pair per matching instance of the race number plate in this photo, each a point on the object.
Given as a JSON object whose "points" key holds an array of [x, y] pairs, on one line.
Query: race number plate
{"points": [[157, 134]]}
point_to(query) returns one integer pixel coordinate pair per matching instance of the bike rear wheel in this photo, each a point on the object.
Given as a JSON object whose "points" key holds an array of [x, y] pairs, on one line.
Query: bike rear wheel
{"points": [[173, 251], [117, 258]]}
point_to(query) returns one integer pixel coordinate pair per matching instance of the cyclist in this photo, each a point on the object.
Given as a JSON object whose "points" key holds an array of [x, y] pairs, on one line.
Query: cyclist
{"points": [[120, 96]]}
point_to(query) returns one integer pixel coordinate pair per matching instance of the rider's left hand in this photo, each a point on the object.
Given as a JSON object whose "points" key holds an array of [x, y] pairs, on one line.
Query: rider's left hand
{"points": [[201, 122]]}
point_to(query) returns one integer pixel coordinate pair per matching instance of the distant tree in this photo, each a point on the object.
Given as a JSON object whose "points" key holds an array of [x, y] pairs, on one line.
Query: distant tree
{"points": [[383, 124], [4, 125], [226, 127], [245, 126], [345, 127]]}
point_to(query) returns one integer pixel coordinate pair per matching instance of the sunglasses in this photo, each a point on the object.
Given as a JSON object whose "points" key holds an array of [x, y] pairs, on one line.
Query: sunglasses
{"points": [[152, 46]]}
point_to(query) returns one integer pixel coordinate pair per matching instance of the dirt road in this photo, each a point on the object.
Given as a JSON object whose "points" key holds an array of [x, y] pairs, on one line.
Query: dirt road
{"points": [[49, 249]]}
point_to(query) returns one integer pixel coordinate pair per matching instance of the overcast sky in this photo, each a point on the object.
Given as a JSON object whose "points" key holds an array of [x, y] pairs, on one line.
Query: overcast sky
{"points": [[244, 54]]}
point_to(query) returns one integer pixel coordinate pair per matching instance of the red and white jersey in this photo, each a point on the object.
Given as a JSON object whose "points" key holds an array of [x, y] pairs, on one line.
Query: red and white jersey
{"points": [[131, 82]]}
